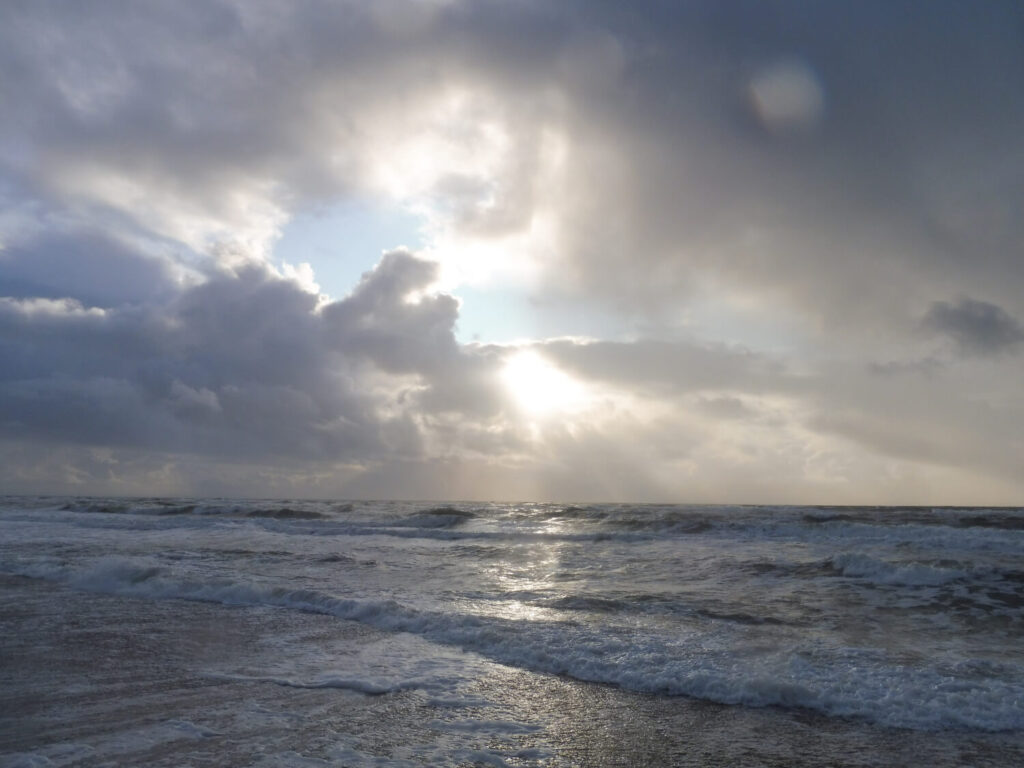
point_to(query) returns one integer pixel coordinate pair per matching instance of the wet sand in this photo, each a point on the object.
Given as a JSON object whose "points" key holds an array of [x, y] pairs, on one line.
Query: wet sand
{"points": [[89, 680]]}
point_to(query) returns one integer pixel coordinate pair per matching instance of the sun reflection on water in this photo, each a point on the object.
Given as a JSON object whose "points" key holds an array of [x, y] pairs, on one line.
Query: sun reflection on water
{"points": [[527, 575]]}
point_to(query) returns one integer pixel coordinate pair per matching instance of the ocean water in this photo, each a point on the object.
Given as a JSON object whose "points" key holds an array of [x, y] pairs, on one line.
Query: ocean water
{"points": [[231, 632]]}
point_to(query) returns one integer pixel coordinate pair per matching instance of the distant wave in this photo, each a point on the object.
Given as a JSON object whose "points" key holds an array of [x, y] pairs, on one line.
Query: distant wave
{"points": [[438, 517], [857, 565]]}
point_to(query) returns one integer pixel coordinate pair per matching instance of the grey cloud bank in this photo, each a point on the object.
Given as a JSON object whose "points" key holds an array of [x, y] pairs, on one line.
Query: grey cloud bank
{"points": [[976, 326], [804, 219]]}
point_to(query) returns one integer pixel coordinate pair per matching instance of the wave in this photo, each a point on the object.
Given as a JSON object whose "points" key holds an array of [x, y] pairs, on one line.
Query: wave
{"points": [[164, 507], [589, 604], [882, 572], [438, 517], [837, 681], [992, 530], [649, 604], [369, 687], [1003, 522], [283, 513]]}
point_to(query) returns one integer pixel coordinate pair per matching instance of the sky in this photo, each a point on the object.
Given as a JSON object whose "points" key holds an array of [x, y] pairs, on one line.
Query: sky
{"points": [[702, 252]]}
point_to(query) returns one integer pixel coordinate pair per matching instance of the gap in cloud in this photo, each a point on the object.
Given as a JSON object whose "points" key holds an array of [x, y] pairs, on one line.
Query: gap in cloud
{"points": [[343, 241], [503, 315]]}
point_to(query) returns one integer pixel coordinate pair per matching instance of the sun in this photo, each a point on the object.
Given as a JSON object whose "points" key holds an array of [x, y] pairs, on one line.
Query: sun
{"points": [[539, 388]]}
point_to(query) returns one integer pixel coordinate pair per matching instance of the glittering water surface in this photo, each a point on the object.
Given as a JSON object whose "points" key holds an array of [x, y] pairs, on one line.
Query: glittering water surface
{"points": [[373, 633]]}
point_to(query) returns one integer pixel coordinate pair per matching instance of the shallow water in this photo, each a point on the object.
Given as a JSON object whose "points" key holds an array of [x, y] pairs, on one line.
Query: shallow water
{"points": [[233, 632]]}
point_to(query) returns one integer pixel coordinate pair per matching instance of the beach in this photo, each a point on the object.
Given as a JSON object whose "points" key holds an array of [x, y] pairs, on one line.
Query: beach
{"points": [[111, 667]]}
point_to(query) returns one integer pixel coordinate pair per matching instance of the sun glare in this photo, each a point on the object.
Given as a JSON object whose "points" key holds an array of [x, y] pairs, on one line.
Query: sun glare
{"points": [[538, 387]]}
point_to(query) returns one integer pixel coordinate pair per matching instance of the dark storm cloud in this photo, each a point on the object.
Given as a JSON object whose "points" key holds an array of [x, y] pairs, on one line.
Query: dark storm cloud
{"points": [[244, 364], [379, 322], [976, 327]]}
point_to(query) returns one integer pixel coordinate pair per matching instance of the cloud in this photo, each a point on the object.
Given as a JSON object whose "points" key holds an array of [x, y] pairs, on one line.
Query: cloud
{"points": [[245, 364], [666, 366], [621, 155], [976, 327], [757, 203], [88, 266]]}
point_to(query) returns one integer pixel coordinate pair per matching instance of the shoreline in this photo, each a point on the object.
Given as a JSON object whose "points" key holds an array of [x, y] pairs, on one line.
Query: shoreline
{"points": [[92, 679]]}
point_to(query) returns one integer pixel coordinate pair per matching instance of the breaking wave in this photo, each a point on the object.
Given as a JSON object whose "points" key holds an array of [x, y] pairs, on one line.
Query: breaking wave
{"points": [[847, 682]]}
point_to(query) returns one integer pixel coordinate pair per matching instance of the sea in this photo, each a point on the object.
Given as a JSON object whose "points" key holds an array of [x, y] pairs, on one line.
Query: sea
{"points": [[224, 632]]}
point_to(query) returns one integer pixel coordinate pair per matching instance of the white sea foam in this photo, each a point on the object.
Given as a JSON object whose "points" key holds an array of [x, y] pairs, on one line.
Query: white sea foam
{"points": [[859, 565], [836, 681]]}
